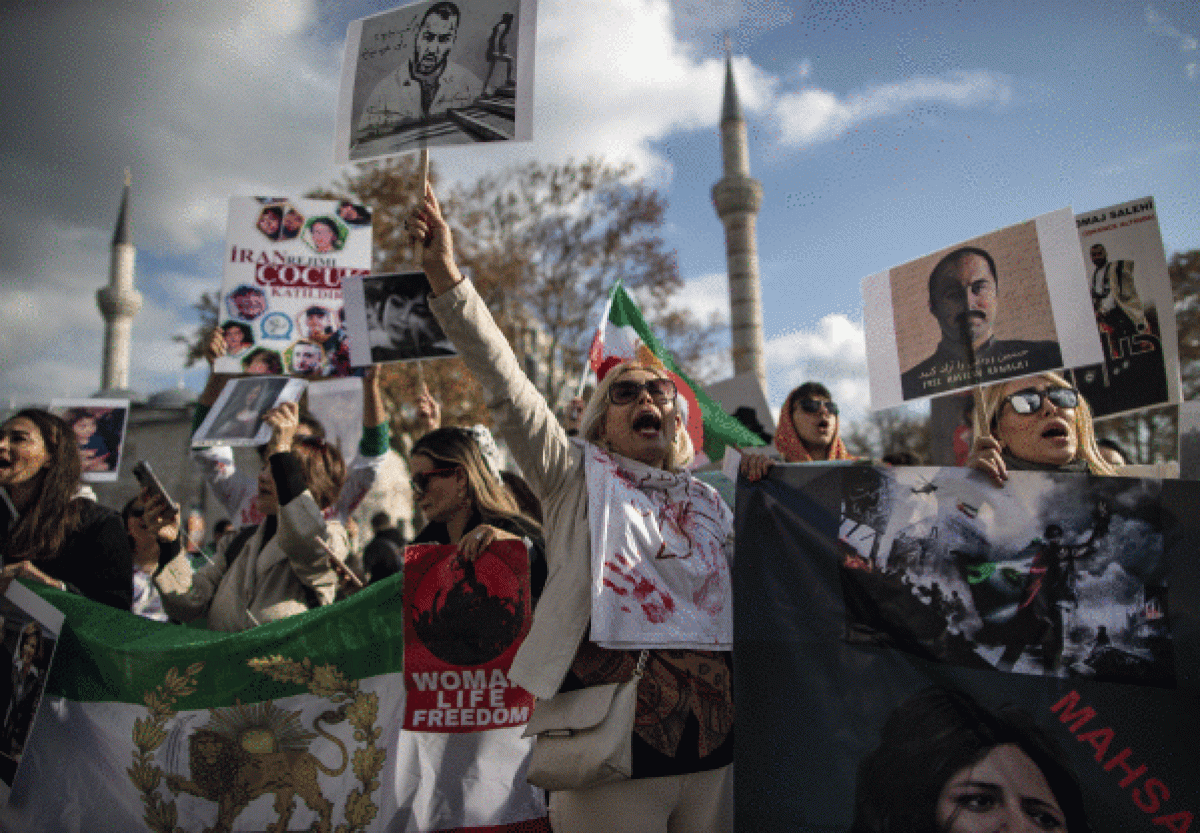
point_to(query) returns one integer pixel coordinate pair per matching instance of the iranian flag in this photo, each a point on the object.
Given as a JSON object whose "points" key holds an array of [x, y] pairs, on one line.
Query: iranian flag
{"points": [[294, 725], [623, 334]]}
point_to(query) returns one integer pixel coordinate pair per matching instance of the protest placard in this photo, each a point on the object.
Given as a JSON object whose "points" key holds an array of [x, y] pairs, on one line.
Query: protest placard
{"points": [[29, 629], [436, 73], [99, 428], [1000, 306], [464, 621], [338, 405], [281, 297], [913, 645], [1134, 308], [236, 417], [388, 320]]}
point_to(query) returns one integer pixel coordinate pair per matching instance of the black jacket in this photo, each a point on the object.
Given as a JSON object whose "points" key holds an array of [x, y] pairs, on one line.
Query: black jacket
{"points": [[95, 560]]}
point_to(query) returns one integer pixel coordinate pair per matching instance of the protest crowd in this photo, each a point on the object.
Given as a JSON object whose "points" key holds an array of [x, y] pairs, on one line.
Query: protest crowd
{"points": [[614, 478]]}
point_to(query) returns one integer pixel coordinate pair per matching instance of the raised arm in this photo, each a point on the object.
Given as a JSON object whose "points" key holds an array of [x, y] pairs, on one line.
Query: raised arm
{"points": [[372, 448], [308, 540], [523, 419]]}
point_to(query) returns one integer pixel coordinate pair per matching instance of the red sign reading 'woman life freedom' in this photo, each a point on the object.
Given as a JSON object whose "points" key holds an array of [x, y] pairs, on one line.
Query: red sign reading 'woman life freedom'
{"points": [[464, 622]]}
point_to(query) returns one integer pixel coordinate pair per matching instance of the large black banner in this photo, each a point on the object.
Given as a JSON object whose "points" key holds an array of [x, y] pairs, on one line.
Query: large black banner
{"points": [[920, 650]]}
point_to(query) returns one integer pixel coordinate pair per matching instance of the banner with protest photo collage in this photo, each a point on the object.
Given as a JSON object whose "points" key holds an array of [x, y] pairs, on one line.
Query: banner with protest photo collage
{"points": [[919, 649]]}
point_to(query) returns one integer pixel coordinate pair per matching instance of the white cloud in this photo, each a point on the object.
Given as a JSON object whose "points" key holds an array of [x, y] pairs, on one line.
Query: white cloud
{"points": [[743, 20], [813, 115], [833, 352], [1156, 24], [213, 100], [706, 297]]}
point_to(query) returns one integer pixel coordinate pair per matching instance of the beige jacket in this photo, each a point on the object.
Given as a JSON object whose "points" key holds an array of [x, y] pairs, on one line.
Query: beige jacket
{"points": [[268, 581], [553, 467]]}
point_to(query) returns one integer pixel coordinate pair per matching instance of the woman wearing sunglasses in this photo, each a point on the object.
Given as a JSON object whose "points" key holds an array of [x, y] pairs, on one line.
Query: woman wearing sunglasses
{"points": [[808, 426], [1037, 424], [638, 569], [466, 503]]}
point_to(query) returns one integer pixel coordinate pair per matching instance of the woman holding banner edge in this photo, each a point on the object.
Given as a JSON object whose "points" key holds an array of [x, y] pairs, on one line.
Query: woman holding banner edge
{"points": [[626, 486]]}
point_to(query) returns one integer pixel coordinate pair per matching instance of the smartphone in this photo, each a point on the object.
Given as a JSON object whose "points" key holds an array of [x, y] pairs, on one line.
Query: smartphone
{"points": [[146, 477]]}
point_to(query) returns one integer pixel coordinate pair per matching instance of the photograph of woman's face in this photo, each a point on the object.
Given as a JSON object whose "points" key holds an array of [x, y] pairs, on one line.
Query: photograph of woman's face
{"points": [[1004, 790]]}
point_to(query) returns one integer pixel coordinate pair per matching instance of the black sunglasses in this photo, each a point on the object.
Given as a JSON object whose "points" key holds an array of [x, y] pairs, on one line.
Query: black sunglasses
{"points": [[420, 480], [137, 511], [1030, 400], [813, 406], [626, 390]]}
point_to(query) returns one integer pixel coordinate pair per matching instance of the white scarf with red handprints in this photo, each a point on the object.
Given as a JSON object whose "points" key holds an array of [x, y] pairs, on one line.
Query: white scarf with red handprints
{"points": [[660, 557]]}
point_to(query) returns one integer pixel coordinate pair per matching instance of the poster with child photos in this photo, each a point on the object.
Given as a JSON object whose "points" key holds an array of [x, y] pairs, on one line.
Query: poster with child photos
{"points": [[281, 299], [99, 428], [1000, 306], [29, 630]]}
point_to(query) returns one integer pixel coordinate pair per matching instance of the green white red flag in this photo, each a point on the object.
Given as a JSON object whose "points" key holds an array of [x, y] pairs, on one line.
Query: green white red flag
{"points": [[297, 723], [623, 331]]}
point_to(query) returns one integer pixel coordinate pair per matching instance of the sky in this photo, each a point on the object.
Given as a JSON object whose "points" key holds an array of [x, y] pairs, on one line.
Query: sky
{"points": [[881, 131]]}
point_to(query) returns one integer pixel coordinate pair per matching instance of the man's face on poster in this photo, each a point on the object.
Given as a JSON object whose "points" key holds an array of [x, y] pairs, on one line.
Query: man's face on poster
{"points": [[250, 304], [306, 358], [1099, 255], [965, 291], [434, 42]]}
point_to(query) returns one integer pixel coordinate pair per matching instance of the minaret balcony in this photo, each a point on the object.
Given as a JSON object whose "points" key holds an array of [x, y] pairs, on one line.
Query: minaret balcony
{"points": [[118, 303], [737, 194]]}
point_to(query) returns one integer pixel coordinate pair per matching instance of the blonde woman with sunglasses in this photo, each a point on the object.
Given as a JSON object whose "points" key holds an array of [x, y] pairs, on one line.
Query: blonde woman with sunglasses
{"points": [[639, 576], [1035, 424]]}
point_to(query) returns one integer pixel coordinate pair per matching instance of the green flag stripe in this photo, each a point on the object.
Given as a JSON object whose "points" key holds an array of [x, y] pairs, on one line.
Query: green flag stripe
{"points": [[111, 655], [720, 429]]}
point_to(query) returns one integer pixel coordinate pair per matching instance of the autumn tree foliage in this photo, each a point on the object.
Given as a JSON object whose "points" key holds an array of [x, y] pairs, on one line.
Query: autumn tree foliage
{"points": [[543, 244]]}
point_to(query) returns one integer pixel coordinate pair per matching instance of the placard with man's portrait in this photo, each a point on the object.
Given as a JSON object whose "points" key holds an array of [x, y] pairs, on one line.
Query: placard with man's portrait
{"points": [[439, 72], [1000, 306]]}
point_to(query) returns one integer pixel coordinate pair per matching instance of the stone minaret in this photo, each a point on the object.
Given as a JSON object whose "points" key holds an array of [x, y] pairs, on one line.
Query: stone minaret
{"points": [[737, 198], [119, 302]]}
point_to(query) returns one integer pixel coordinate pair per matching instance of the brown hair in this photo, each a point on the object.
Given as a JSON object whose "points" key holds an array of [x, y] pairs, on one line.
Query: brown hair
{"points": [[323, 467], [54, 513], [456, 447]]}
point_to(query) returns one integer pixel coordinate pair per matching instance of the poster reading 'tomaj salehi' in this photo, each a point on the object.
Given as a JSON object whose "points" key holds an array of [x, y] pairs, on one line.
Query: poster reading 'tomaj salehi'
{"points": [[281, 300]]}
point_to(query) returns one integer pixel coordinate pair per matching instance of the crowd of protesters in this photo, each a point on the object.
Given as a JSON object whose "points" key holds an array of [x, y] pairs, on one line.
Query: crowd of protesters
{"points": [[615, 477]]}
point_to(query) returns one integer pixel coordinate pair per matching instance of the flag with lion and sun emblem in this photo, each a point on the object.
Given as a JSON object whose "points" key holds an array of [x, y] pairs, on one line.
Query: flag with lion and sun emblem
{"points": [[294, 725]]}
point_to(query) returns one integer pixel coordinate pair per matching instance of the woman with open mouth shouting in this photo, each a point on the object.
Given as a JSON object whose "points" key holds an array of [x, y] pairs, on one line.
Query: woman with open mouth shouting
{"points": [[639, 589], [1035, 424], [47, 533]]}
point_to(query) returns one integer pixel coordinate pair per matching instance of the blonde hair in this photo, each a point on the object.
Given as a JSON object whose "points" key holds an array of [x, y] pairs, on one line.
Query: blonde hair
{"points": [[992, 400], [591, 422]]}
